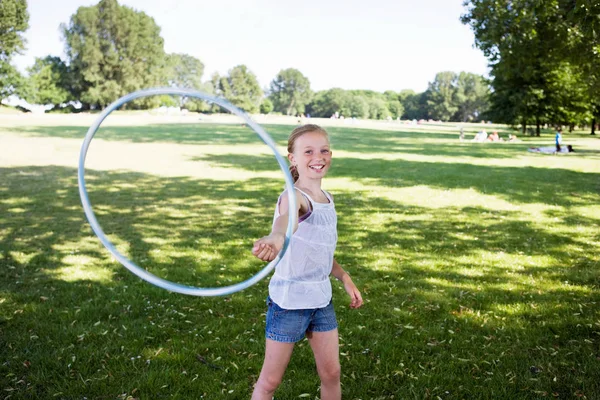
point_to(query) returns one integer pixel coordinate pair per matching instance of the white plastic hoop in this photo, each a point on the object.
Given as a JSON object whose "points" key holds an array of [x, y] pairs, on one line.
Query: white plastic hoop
{"points": [[130, 265]]}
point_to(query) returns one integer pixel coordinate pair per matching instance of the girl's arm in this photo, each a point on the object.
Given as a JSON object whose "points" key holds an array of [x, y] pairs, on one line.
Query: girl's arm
{"points": [[269, 246], [338, 272]]}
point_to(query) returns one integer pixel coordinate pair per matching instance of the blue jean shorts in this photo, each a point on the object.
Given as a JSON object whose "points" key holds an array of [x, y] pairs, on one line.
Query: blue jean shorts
{"points": [[290, 326]]}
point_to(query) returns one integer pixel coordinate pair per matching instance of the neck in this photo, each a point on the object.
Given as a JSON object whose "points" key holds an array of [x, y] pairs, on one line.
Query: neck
{"points": [[313, 185]]}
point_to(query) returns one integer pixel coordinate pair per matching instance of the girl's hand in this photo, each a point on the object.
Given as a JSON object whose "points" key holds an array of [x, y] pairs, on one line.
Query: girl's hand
{"points": [[355, 298], [268, 247]]}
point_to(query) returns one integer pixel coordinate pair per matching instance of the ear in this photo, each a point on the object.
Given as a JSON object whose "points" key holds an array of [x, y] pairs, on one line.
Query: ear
{"points": [[292, 159]]}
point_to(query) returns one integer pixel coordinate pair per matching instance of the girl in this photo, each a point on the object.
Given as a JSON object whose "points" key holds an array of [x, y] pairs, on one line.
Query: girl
{"points": [[299, 301]]}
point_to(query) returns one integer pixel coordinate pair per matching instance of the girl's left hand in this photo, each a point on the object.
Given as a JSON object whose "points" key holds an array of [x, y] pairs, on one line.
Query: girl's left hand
{"points": [[355, 298]]}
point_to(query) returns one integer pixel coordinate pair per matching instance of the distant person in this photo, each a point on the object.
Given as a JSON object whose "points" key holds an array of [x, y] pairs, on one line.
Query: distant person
{"points": [[493, 137], [513, 138], [480, 137], [558, 139], [461, 136]]}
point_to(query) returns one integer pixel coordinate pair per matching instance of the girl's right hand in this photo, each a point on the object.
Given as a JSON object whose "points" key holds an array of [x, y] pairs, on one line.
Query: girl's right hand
{"points": [[268, 247]]}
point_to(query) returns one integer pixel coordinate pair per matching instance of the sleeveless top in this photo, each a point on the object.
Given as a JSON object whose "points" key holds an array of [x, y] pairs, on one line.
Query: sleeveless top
{"points": [[301, 279]]}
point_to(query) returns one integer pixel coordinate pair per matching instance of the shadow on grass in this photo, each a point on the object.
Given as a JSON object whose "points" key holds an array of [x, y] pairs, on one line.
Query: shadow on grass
{"points": [[463, 302], [515, 184], [345, 139]]}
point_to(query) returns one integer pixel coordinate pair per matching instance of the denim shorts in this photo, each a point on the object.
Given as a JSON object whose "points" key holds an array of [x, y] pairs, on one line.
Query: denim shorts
{"points": [[290, 326]]}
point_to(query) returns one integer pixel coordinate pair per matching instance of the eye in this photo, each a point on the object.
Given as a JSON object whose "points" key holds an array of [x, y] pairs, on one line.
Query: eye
{"points": [[325, 151], [308, 152]]}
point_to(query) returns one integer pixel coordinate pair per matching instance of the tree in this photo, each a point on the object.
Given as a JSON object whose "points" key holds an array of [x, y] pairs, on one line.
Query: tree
{"points": [[584, 26], [441, 96], [48, 82], [113, 50], [11, 81], [14, 21], [414, 104], [327, 102], [184, 71], [393, 103], [472, 96], [527, 43], [356, 106], [378, 108], [266, 106], [290, 92], [240, 87]]}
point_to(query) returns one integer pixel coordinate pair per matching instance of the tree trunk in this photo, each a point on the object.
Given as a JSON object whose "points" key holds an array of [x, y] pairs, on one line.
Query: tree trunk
{"points": [[289, 110], [524, 126], [537, 126], [593, 126]]}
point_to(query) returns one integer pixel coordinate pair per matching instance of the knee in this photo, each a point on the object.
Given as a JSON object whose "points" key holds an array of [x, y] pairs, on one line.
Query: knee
{"points": [[268, 384], [330, 374]]}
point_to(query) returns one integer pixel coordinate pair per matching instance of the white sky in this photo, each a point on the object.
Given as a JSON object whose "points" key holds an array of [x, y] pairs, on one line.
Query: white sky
{"points": [[352, 44]]}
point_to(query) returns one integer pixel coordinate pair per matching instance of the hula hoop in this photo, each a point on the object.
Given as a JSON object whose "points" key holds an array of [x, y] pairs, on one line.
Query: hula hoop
{"points": [[130, 265]]}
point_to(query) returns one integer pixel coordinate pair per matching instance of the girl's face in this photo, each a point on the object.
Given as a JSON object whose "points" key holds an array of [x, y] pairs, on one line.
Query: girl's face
{"points": [[312, 155]]}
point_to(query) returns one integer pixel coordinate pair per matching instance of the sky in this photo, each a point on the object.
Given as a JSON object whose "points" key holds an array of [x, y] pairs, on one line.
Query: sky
{"points": [[351, 44]]}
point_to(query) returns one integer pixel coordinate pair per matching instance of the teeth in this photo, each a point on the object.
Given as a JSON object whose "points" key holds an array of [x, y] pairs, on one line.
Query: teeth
{"points": [[317, 167]]}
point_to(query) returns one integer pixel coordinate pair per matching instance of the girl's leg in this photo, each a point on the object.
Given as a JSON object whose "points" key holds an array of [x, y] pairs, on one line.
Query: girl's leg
{"points": [[277, 357], [325, 346]]}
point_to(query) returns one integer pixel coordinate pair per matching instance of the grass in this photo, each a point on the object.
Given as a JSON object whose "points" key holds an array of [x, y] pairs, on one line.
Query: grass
{"points": [[478, 263]]}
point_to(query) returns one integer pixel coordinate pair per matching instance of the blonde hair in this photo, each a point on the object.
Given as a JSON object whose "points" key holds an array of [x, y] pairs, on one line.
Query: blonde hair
{"points": [[296, 133]]}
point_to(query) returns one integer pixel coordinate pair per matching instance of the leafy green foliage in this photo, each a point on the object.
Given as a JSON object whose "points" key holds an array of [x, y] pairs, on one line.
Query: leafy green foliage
{"points": [[441, 96], [48, 82], [11, 80], [266, 106], [14, 21], [542, 56], [240, 87], [290, 92], [184, 71], [112, 50], [471, 96]]}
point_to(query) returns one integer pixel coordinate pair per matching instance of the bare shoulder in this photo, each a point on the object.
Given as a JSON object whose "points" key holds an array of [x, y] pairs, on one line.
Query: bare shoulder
{"points": [[284, 202]]}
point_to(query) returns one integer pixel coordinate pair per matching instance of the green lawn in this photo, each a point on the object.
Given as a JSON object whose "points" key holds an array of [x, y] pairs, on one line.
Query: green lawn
{"points": [[479, 264]]}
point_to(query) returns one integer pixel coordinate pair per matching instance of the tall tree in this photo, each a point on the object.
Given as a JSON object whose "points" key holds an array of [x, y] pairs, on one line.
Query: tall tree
{"points": [[584, 25], [414, 104], [441, 96], [240, 87], [48, 82], [327, 102], [290, 92], [112, 50], [472, 96], [14, 21], [527, 43], [393, 103], [185, 71]]}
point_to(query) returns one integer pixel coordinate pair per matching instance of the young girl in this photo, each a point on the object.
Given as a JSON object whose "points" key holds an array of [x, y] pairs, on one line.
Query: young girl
{"points": [[299, 302]]}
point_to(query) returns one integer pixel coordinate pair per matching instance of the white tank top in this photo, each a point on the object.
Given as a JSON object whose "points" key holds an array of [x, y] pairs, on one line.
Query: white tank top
{"points": [[301, 279]]}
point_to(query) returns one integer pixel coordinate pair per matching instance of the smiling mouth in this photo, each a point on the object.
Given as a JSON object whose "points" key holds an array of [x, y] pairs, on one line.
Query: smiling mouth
{"points": [[317, 167]]}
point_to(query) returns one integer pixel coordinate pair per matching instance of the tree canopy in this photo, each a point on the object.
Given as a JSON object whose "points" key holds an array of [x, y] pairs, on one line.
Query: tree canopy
{"points": [[14, 21], [543, 57], [240, 87], [112, 50], [48, 82], [290, 92]]}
